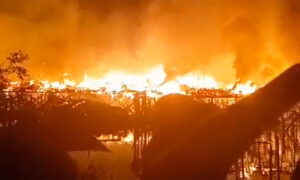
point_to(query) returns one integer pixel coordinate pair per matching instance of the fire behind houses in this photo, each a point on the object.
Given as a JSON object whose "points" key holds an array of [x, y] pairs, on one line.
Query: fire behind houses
{"points": [[274, 153], [197, 89]]}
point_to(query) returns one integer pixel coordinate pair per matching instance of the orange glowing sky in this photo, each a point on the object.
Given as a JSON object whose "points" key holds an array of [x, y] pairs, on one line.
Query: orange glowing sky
{"points": [[226, 39]]}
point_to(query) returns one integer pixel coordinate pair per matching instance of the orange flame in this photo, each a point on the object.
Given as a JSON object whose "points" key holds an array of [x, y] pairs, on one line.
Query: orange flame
{"points": [[129, 138], [152, 82]]}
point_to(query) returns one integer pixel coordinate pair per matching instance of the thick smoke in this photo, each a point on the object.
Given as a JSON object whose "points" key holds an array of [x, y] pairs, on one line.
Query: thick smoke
{"points": [[289, 34], [71, 36], [224, 38], [245, 39]]}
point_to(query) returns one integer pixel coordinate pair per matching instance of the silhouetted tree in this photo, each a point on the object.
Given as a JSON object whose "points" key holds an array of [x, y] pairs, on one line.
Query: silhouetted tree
{"points": [[14, 68], [16, 59]]}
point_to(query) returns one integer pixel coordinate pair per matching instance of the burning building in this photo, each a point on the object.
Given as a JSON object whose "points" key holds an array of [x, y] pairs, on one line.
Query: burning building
{"points": [[117, 61]]}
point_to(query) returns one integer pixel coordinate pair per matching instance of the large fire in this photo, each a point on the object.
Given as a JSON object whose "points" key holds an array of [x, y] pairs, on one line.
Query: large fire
{"points": [[152, 82]]}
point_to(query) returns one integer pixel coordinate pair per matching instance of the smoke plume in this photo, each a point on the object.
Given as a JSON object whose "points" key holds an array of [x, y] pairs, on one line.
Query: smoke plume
{"points": [[224, 38]]}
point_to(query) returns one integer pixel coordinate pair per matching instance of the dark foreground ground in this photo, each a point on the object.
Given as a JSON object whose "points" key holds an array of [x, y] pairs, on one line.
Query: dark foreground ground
{"points": [[116, 165]]}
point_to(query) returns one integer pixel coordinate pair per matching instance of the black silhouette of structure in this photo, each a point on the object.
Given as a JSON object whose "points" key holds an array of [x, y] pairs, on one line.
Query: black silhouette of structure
{"points": [[37, 131], [207, 148]]}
